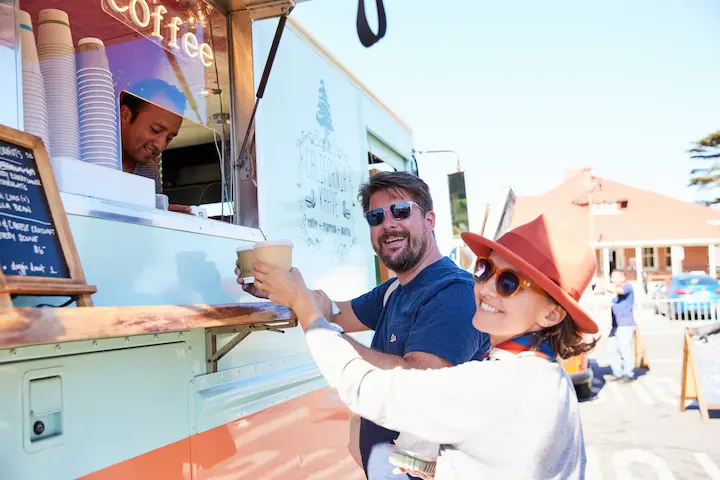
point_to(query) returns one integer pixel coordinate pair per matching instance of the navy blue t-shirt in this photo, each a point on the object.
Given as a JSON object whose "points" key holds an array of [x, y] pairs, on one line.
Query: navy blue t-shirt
{"points": [[432, 314], [622, 308]]}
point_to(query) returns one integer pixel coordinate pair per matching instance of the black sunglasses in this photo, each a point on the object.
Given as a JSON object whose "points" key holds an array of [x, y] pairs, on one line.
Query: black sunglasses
{"points": [[507, 282], [399, 211]]}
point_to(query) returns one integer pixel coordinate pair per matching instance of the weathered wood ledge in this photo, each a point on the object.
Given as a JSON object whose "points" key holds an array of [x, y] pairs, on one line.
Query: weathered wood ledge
{"points": [[35, 326]]}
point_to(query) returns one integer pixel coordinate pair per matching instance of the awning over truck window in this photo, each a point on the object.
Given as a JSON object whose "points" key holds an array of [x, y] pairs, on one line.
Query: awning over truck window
{"points": [[385, 153]]}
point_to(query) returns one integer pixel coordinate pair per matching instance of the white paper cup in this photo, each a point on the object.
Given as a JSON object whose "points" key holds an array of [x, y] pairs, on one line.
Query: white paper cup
{"points": [[101, 85], [85, 77], [30, 60], [277, 253], [91, 54], [161, 201], [54, 28]]}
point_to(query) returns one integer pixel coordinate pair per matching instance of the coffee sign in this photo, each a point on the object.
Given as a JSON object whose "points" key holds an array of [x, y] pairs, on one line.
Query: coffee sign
{"points": [[177, 31]]}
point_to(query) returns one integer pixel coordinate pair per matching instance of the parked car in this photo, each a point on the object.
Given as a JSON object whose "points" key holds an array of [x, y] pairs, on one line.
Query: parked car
{"points": [[688, 296]]}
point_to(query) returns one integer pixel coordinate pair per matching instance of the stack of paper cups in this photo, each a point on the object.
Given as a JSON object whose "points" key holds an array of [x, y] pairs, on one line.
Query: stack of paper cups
{"points": [[96, 98], [34, 107], [57, 63]]}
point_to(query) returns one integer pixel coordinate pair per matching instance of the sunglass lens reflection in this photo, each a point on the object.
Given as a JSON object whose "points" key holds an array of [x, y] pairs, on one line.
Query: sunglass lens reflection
{"points": [[401, 211], [507, 283], [483, 270], [375, 217]]}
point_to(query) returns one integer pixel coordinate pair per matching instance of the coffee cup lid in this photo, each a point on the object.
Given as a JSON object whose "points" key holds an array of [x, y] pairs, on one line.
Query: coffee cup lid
{"points": [[275, 243], [244, 248], [85, 40]]}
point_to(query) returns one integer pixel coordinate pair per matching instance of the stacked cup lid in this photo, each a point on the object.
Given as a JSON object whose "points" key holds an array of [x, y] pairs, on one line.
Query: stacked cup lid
{"points": [[97, 107], [57, 63], [34, 106]]}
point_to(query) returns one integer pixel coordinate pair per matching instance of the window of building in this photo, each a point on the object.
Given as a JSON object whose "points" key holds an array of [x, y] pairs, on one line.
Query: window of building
{"points": [[619, 258], [668, 258], [168, 58], [605, 208], [649, 256]]}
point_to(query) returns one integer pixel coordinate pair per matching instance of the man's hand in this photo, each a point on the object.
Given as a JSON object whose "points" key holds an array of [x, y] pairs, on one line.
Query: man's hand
{"points": [[324, 304]]}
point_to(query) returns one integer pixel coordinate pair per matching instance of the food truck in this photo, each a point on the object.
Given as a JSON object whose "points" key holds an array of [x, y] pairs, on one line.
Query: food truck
{"points": [[127, 349]]}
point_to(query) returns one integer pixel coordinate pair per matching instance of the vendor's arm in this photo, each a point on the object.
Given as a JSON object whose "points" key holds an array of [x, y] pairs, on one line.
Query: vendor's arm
{"points": [[174, 207]]}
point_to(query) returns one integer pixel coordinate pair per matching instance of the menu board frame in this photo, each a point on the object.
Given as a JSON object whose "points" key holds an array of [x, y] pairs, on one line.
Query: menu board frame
{"points": [[692, 386], [75, 285]]}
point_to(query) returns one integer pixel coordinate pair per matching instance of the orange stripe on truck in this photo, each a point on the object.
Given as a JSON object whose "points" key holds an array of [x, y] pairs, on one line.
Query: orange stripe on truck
{"points": [[304, 438]]}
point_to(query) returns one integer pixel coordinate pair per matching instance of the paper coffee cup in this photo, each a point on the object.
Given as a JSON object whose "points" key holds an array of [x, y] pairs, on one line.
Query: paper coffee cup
{"points": [[277, 253], [91, 54], [246, 258]]}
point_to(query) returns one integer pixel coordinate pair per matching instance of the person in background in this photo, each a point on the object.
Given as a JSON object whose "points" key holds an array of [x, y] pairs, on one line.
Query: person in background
{"points": [[514, 415], [425, 323], [623, 327], [148, 123]]}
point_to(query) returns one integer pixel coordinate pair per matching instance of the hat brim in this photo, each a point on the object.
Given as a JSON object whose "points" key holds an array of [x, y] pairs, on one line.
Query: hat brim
{"points": [[482, 247]]}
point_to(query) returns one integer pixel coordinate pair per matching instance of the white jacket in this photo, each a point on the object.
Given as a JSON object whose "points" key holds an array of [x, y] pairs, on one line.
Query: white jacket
{"points": [[510, 419]]}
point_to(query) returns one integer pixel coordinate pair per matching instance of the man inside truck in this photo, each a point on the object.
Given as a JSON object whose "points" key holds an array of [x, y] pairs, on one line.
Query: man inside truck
{"points": [[148, 123], [422, 319]]}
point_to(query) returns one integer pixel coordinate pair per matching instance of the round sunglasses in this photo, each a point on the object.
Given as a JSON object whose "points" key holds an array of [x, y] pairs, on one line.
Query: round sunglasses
{"points": [[507, 282], [399, 211]]}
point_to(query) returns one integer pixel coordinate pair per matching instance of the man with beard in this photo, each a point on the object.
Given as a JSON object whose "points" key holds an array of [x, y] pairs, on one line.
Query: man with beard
{"points": [[425, 322]]}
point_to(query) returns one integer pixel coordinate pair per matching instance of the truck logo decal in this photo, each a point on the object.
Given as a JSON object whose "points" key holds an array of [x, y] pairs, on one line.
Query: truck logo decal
{"points": [[327, 184]]}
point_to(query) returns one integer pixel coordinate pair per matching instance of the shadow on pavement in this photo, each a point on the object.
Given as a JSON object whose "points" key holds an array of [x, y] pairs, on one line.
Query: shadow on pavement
{"points": [[603, 375], [711, 413]]}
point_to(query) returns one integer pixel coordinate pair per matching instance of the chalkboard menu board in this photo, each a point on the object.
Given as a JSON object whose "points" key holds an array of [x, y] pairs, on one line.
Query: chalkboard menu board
{"points": [[701, 370], [29, 243], [37, 250], [707, 356]]}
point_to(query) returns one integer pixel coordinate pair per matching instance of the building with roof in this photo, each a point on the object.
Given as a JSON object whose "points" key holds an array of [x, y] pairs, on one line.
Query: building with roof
{"points": [[631, 229]]}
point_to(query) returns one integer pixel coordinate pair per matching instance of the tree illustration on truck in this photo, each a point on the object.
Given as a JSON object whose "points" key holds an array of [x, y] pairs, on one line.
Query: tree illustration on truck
{"points": [[324, 115]]}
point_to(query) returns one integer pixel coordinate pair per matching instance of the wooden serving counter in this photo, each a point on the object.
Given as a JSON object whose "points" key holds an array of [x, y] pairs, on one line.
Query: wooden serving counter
{"points": [[36, 326]]}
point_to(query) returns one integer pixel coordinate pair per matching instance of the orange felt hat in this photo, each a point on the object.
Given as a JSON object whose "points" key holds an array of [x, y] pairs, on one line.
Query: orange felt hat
{"points": [[550, 255]]}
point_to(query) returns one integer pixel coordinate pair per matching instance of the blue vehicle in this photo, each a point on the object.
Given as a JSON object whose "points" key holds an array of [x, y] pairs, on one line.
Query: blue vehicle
{"points": [[689, 296]]}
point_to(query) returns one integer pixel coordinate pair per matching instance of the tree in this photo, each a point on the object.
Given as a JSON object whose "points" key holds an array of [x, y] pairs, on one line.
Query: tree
{"points": [[324, 116], [707, 150]]}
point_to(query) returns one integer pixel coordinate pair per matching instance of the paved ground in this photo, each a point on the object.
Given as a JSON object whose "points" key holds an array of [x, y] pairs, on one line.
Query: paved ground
{"points": [[636, 431]]}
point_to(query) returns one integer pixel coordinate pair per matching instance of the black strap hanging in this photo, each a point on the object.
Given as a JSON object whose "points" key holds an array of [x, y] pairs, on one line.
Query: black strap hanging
{"points": [[367, 37]]}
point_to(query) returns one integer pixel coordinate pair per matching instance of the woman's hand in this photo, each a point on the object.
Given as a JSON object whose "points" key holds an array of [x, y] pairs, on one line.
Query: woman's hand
{"points": [[288, 289]]}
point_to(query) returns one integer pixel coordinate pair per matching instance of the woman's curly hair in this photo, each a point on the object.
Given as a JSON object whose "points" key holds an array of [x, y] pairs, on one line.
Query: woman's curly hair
{"points": [[565, 338]]}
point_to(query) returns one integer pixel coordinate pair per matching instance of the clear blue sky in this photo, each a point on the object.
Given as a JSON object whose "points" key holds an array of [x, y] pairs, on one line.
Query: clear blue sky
{"points": [[524, 89]]}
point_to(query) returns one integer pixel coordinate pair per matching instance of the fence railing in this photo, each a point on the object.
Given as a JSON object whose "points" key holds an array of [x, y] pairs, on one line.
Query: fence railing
{"points": [[678, 309], [672, 309]]}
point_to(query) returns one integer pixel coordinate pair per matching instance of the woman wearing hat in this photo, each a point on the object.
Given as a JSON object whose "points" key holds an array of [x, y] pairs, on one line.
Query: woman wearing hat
{"points": [[512, 415]]}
